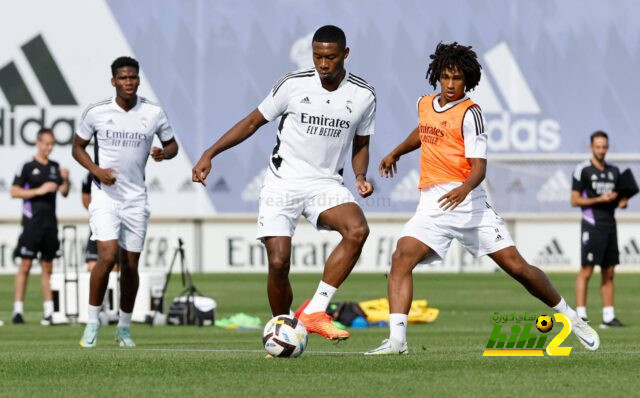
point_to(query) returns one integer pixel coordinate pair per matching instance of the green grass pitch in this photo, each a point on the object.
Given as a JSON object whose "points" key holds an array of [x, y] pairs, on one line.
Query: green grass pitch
{"points": [[445, 359]]}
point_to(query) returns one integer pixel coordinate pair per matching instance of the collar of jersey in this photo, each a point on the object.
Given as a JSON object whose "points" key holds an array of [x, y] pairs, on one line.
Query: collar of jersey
{"points": [[448, 105], [319, 83], [115, 104]]}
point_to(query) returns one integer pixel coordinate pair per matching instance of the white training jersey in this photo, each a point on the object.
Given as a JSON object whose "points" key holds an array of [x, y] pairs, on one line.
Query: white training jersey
{"points": [[316, 126], [123, 142]]}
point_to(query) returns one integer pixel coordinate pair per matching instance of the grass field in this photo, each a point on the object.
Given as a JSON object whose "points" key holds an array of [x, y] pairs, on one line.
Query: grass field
{"points": [[445, 359]]}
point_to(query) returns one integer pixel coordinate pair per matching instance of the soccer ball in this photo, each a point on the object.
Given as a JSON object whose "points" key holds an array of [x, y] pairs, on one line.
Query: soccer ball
{"points": [[544, 323], [284, 336]]}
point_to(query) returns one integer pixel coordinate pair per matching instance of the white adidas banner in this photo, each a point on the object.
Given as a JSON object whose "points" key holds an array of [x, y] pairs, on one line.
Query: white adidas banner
{"points": [[555, 246], [48, 74], [516, 126]]}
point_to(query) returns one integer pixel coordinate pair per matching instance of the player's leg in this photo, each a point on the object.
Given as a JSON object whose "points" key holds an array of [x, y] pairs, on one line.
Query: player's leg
{"points": [[279, 289], [47, 296], [348, 220], [91, 254], [49, 246], [279, 210], [582, 284], [610, 259], [19, 289], [129, 283], [422, 240]]}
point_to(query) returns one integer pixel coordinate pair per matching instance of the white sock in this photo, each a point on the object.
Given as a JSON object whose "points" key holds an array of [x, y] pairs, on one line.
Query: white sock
{"points": [[94, 310], [47, 307], [321, 299], [18, 307], [124, 321], [564, 308], [608, 313], [582, 312], [398, 327]]}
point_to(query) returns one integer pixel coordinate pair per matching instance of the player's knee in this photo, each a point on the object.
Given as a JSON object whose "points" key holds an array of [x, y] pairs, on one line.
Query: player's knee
{"points": [[357, 234], [401, 260], [279, 267]]}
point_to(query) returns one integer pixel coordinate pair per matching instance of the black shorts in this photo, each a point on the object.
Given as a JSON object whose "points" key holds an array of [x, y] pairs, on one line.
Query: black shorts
{"points": [[599, 246], [37, 239], [91, 253]]}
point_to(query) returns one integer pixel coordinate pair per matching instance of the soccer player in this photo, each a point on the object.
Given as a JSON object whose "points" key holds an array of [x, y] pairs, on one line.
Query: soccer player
{"points": [[123, 128], [453, 144], [594, 190], [37, 183], [323, 113]]}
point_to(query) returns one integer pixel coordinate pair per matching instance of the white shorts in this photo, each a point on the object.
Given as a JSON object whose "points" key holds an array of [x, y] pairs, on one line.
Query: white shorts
{"points": [[282, 204], [112, 219], [473, 223]]}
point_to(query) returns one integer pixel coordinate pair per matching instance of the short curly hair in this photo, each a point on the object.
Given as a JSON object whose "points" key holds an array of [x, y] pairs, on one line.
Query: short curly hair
{"points": [[455, 56]]}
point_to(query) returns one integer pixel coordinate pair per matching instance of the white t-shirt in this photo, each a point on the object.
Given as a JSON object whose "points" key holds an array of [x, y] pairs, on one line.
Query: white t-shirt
{"points": [[317, 126], [123, 142], [475, 141]]}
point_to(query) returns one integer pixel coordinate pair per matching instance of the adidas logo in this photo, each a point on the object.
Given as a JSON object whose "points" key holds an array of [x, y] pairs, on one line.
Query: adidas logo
{"points": [[155, 185], [21, 90], [499, 238], [220, 186], [305, 100], [324, 294], [407, 189], [187, 186], [251, 192], [555, 189], [516, 186], [593, 177], [401, 324], [630, 253], [35, 172], [552, 254], [518, 127]]}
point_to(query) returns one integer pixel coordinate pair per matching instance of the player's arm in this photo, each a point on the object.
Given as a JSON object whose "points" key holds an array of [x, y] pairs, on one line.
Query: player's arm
{"points": [[578, 201], [360, 164], [79, 153], [388, 164], [18, 192], [86, 199], [242, 130], [64, 187], [168, 151], [453, 198]]}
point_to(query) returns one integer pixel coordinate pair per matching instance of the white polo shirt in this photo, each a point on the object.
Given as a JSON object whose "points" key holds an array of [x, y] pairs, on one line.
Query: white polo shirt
{"points": [[317, 126], [123, 142]]}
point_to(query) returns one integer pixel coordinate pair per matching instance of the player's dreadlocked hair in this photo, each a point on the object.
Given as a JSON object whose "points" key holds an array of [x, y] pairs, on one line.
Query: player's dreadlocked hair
{"points": [[455, 56]]}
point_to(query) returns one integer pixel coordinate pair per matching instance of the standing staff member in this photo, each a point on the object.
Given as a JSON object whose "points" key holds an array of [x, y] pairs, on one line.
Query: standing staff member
{"points": [[595, 191], [36, 183]]}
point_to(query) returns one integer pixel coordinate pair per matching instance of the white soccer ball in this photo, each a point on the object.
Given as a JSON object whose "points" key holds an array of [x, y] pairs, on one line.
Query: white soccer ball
{"points": [[284, 336]]}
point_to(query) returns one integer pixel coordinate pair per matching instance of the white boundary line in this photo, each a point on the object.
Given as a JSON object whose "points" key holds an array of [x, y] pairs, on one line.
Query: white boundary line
{"points": [[217, 351]]}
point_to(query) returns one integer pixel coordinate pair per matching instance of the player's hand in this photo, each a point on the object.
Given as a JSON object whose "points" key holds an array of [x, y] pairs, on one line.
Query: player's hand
{"points": [[64, 173], [388, 166], [608, 197], [365, 188], [623, 203], [106, 176], [201, 170], [47, 187], [453, 198], [157, 154]]}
